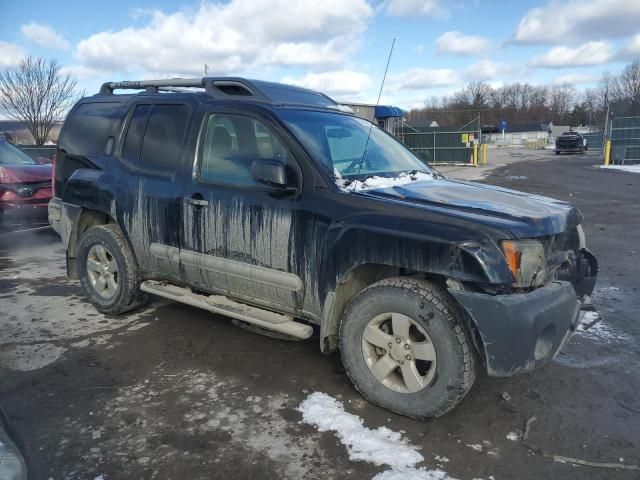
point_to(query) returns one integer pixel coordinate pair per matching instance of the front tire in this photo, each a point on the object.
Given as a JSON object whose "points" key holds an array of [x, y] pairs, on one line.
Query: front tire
{"points": [[404, 347], [108, 270]]}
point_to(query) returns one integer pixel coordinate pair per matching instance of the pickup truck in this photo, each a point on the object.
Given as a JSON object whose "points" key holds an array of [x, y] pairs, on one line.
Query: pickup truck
{"points": [[272, 205]]}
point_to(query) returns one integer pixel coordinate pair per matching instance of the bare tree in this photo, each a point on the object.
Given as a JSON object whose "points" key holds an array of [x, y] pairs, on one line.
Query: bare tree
{"points": [[629, 84], [37, 93]]}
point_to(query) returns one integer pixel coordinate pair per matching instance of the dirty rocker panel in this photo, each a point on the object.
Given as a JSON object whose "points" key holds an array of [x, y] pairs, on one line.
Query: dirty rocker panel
{"points": [[232, 268]]}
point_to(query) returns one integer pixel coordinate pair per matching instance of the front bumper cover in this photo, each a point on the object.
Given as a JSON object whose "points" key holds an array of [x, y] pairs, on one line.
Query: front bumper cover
{"points": [[520, 332]]}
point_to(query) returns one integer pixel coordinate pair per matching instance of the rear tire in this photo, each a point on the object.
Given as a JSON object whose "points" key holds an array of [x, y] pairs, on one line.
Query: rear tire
{"points": [[108, 270], [422, 374]]}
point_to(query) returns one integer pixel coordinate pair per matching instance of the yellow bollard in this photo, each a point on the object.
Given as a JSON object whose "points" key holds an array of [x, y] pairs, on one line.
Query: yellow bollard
{"points": [[607, 152], [484, 153], [475, 154]]}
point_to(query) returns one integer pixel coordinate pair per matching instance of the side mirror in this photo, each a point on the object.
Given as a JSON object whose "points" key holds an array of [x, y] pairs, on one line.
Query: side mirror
{"points": [[42, 160], [269, 172]]}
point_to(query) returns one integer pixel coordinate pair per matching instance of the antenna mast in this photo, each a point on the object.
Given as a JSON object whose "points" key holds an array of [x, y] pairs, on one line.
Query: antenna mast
{"points": [[384, 77]]}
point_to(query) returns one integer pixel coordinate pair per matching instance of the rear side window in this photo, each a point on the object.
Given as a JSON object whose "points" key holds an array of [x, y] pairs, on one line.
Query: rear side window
{"points": [[163, 138], [88, 127], [133, 140]]}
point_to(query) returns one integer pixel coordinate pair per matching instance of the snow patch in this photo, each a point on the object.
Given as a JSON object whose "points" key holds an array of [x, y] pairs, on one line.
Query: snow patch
{"points": [[623, 168], [381, 446], [513, 436], [600, 330], [413, 474], [376, 182]]}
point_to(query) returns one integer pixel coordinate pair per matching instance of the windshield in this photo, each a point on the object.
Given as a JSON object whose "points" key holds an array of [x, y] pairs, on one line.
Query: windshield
{"points": [[10, 155], [337, 142]]}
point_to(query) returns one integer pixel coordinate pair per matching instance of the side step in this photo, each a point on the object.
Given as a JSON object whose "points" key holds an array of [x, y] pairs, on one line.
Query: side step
{"points": [[225, 306]]}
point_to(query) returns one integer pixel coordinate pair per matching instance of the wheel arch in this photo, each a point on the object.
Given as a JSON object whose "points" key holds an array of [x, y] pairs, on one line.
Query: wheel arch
{"points": [[85, 218], [351, 284]]}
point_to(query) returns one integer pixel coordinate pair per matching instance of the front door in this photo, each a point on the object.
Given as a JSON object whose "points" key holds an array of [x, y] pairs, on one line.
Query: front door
{"points": [[240, 236]]}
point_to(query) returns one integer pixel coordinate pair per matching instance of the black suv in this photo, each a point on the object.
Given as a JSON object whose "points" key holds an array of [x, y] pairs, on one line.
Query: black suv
{"points": [[270, 204], [571, 142]]}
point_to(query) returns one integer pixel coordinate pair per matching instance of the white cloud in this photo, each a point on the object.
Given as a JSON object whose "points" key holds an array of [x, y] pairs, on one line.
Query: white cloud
{"points": [[423, 78], [233, 37], [575, 79], [631, 50], [44, 36], [490, 70], [634, 44], [10, 54], [82, 72], [578, 20], [340, 83], [413, 8], [591, 53], [456, 43]]}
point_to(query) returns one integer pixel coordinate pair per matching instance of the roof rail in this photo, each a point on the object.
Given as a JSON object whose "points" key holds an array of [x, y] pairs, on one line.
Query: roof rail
{"points": [[227, 88], [217, 87]]}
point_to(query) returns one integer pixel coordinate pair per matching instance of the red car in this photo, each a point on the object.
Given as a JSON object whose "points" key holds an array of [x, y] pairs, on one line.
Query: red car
{"points": [[25, 188]]}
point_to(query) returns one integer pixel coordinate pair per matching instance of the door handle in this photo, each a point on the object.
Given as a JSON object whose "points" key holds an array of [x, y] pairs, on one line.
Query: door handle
{"points": [[198, 202]]}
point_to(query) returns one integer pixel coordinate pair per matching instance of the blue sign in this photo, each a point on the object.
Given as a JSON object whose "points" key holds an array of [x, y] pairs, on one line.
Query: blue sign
{"points": [[503, 125]]}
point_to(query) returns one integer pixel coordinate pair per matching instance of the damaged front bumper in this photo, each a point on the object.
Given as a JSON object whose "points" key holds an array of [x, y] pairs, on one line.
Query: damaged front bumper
{"points": [[522, 331]]}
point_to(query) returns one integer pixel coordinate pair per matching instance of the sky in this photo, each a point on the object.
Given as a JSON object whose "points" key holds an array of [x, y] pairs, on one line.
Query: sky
{"points": [[339, 47]]}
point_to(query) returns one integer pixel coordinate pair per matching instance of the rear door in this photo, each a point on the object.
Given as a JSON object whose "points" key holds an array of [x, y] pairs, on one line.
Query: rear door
{"points": [[240, 236], [153, 149]]}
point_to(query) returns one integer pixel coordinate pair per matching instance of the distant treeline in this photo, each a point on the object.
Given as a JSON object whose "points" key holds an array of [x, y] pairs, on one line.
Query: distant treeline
{"points": [[523, 102]]}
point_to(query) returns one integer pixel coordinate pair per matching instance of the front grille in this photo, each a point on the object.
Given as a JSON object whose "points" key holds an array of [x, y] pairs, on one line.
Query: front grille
{"points": [[21, 188]]}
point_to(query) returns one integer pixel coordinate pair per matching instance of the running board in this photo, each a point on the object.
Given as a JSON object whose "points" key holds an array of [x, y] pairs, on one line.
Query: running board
{"points": [[225, 306]]}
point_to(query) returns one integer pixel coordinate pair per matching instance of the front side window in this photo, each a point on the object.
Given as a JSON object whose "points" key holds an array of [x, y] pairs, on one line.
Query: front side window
{"points": [[337, 142], [230, 145]]}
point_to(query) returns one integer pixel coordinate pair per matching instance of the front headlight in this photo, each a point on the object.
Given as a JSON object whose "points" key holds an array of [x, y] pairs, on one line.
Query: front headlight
{"points": [[526, 261]]}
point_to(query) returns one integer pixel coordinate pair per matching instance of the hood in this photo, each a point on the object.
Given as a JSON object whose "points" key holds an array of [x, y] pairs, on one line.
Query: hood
{"points": [[25, 173], [523, 214]]}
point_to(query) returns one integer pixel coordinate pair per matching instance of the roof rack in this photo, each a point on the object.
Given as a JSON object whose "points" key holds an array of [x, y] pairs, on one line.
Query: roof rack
{"points": [[227, 88]]}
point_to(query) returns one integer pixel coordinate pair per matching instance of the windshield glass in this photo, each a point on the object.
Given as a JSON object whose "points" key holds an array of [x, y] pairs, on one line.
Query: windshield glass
{"points": [[10, 155], [337, 142]]}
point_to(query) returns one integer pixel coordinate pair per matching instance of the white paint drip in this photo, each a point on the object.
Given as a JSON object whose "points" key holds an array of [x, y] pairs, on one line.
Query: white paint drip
{"points": [[381, 446]]}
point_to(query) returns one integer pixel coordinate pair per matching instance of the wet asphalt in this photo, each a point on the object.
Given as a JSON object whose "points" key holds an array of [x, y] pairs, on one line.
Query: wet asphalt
{"points": [[172, 392]]}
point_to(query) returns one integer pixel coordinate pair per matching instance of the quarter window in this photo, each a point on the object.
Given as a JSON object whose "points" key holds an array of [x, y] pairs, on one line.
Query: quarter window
{"points": [[230, 145], [86, 130]]}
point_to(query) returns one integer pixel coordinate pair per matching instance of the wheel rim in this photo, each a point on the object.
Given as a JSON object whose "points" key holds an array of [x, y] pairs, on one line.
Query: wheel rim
{"points": [[399, 352], [102, 271]]}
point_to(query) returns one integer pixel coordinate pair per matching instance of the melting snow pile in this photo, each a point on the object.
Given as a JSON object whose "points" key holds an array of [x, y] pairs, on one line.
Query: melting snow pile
{"points": [[382, 182], [600, 330], [624, 168], [380, 447]]}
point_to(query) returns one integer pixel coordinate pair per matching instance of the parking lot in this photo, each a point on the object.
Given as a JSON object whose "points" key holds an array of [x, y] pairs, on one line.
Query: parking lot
{"points": [[175, 392]]}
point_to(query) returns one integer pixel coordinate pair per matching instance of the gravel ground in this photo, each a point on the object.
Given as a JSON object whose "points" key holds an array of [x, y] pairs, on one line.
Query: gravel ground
{"points": [[174, 392]]}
